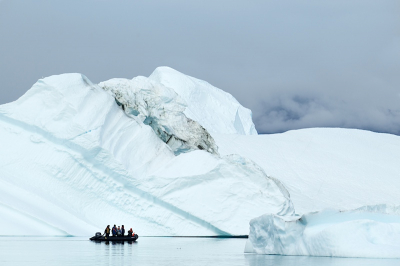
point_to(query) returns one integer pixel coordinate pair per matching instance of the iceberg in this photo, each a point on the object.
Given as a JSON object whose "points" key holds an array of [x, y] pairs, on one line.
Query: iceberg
{"points": [[77, 156], [326, 170], [369, 231], [171, 155]]}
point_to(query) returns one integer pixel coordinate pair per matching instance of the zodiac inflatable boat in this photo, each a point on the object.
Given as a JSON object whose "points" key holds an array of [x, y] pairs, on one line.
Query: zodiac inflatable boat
{"points": [[100, 237]]}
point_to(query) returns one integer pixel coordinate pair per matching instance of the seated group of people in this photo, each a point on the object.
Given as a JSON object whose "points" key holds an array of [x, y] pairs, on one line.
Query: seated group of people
{"points": [[117, 231]]}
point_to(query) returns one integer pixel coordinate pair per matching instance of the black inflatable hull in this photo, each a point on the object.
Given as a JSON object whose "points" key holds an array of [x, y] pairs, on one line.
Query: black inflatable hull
{"points": [[115, 238]]}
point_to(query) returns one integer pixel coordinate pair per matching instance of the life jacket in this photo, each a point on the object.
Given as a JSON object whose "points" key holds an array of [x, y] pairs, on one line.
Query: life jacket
{"points": [[107, 230]]}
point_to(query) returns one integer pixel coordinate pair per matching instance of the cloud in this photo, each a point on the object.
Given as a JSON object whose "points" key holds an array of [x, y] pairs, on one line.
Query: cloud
{"points": [[287, 112], [296, 64]]}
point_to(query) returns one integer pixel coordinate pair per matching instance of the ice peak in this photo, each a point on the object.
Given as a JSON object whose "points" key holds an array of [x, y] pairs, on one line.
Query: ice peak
{"points": [[183, 111], [166, 70], [216, 110]]}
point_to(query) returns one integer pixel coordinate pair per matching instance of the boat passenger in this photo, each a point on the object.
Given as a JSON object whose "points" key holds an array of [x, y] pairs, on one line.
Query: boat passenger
{"points": [[130, 231], [107, 231], [114, 230], [123, 230], [119, 233]]}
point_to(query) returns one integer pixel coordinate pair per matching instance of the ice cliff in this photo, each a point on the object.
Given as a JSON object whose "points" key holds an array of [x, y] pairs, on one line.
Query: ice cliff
{"points": [[77, 156], [370, 231]]}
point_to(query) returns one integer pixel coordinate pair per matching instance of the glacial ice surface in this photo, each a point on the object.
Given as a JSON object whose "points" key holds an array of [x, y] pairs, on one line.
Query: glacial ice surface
{"points": [[334, 168], [216, 110], [73, 161]]}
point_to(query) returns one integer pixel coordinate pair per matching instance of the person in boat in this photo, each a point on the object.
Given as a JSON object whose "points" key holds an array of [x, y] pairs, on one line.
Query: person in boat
{"points": [[130, 232], [119, 233], [107, 231], [123, 230], [114, 230]]}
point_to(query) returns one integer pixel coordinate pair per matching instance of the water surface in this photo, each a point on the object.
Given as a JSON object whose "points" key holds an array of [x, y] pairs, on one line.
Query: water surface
{"points": [[152, 251]]}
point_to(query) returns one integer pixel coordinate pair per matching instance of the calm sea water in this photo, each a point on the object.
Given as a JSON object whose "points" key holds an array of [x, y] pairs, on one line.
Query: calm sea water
{"points": [[151, 251]]}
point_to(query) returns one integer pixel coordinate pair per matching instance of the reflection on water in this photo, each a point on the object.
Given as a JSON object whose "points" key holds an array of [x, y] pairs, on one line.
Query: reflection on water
{"points": [[256, 260], [151, 251]]}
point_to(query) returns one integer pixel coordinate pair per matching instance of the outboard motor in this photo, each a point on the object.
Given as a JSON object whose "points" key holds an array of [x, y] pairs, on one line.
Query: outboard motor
{"points": [[98, 234]]}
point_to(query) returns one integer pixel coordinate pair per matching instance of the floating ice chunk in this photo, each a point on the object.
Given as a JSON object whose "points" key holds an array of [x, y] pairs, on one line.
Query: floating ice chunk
{"points": [[357, 233]]}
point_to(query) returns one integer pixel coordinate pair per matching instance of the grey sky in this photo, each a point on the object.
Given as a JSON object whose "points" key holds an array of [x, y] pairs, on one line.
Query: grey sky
{"points": [[294, 63]]}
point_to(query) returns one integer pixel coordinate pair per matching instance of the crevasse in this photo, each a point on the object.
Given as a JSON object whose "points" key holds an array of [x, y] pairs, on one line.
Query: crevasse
{"points": [[161, 108]]}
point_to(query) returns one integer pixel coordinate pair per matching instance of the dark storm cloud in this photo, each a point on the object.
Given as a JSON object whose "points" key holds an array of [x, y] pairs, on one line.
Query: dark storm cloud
{"points": [[296, 64]]}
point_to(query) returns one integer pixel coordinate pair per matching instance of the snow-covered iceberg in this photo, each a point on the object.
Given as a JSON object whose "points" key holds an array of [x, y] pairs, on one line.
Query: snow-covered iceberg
{"points": [[72, 161], [173, 155], [370, 231], [327, 168]]}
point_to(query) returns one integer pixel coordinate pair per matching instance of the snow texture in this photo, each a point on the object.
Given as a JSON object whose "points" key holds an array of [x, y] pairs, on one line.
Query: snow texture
{"points": [[217, 111], [72, 161], [327, 168], [324, 168], [371, 231]]}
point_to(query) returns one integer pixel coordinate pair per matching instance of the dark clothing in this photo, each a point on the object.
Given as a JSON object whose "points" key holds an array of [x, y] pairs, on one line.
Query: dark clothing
{"points": [[114, 231], [129, 233], [123, 231], [107, 231]]}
